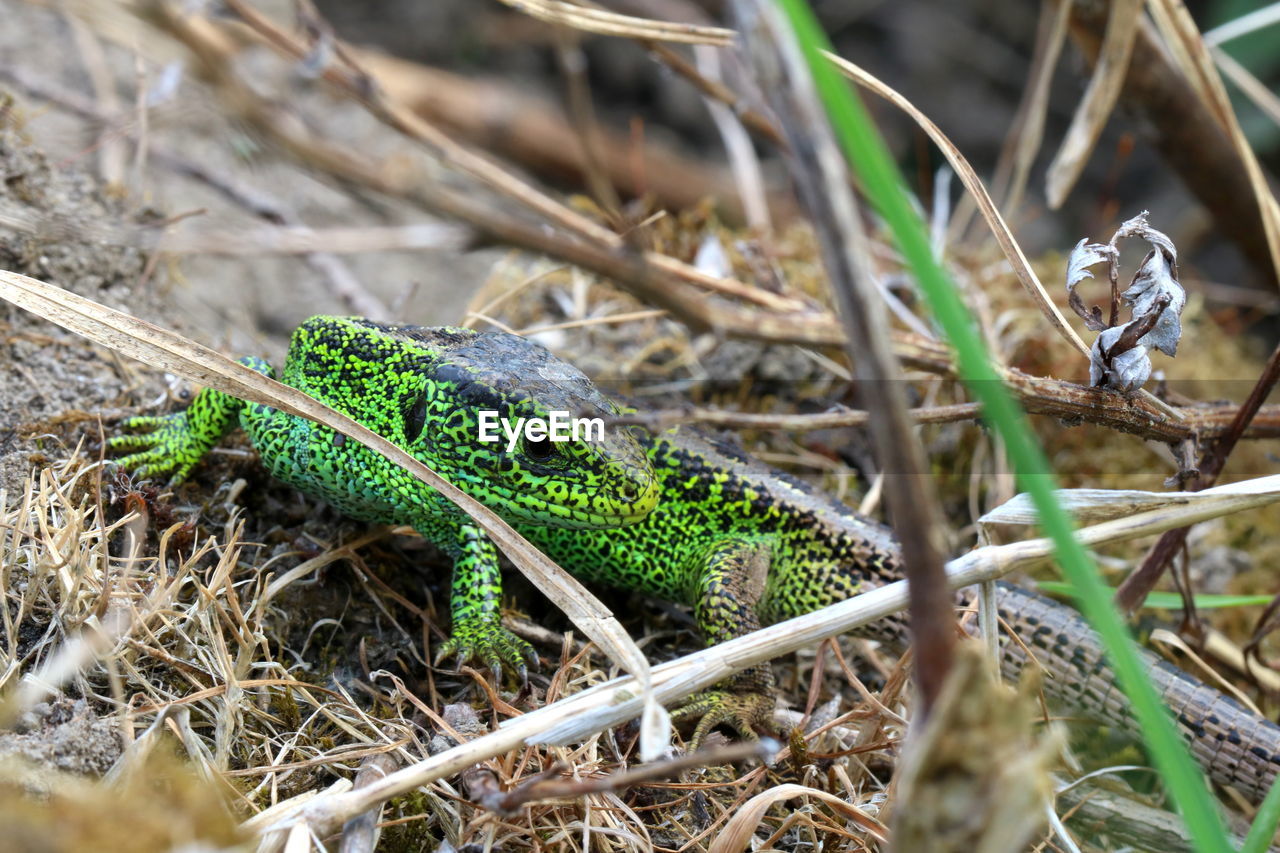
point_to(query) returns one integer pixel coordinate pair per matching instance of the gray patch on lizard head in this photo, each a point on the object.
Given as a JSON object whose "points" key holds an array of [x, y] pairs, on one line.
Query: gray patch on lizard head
{"points": [[498, 366], [512, 365]]}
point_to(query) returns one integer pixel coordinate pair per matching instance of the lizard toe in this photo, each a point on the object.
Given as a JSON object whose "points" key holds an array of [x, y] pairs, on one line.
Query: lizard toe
{"points": [[143, 422], [454, 649], [140, 441], [489, 643], [148, 463], [748, 714], [172, 446]]}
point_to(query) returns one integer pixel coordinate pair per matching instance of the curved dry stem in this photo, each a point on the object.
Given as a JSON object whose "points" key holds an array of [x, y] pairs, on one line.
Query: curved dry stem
{"points": [[1004, 237]]}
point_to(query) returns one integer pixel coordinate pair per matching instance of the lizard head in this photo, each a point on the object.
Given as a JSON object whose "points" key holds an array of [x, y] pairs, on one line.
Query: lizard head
{"points": [[474, 420]]}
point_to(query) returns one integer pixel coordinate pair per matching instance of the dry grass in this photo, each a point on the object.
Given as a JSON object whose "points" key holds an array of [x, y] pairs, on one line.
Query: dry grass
{"points": [[192, 638]]}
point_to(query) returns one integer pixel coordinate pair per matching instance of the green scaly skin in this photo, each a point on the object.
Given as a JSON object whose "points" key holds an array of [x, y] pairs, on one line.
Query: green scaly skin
{"points": [[422, 389], [740, 543]]}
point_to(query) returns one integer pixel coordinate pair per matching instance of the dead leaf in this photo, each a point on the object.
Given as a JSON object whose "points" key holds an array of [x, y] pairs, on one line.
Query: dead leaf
{"points": [[1083, 256]]}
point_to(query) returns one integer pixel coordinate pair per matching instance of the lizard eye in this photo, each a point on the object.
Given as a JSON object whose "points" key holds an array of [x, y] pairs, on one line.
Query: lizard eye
{"points": [[540, 450], [415, 418]]}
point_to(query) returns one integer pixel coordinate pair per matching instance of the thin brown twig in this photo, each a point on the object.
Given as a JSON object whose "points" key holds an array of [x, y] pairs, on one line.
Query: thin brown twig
{"points": [[752, 119], [1133, 591], [823, 182], [545, 786], [593, 19], [714, 89], [573, 68], [1075, 403], [354, 81], [660, 419]]}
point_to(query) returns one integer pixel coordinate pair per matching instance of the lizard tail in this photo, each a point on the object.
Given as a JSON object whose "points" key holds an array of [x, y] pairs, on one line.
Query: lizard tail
{"points": [[1236, 746]]}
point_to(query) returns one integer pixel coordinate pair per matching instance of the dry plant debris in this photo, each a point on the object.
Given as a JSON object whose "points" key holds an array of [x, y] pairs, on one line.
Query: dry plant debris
{"points": [[1119, 357], [161, 804], [976, 778], [213, 656]]}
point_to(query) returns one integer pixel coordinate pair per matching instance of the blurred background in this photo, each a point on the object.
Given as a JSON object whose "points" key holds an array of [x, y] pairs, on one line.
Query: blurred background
{"points": [[500, 84]]}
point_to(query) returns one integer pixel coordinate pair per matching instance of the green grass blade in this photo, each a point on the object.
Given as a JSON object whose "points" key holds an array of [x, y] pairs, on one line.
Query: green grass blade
{"points": [[879, 176], [1264, 823], [1158, 600]]}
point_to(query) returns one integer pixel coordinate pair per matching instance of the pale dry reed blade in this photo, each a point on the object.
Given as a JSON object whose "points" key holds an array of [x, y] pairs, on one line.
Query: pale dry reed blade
{"points": [[1099, 100], [737, 833], [608, 23], [1094, 505], [1266, 16], [167, 351], [1263, 98]]}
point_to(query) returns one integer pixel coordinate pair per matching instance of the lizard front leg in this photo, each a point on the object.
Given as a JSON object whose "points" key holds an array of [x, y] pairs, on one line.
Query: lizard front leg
{"points": [[729, 588], [475, 602], [173, 444]]}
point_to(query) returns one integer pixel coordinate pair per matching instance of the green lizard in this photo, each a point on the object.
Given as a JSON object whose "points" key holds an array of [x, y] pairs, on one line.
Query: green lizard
{"points": [[422, 388], [673, 516]]}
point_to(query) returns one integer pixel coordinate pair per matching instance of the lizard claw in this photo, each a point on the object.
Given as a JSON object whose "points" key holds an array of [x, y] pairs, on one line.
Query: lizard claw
{"points": [[748, 714], [169, 446], [488, 643]]}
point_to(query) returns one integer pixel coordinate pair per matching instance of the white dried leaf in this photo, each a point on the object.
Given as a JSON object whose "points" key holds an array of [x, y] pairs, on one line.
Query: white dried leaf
{"points": [[1083, 256], [1120, 359], [1130, 227], [1155, 281], [1125, 372], [1138, 227]]}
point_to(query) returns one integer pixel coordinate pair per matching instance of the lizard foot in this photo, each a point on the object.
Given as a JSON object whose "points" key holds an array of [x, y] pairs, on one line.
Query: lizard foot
{"points": [[748, 714], [169, 446], [487, 642]]}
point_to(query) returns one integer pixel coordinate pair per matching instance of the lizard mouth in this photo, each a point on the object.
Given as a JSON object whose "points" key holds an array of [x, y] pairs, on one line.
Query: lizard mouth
{"points": [[625, 509], [560, 515]]}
